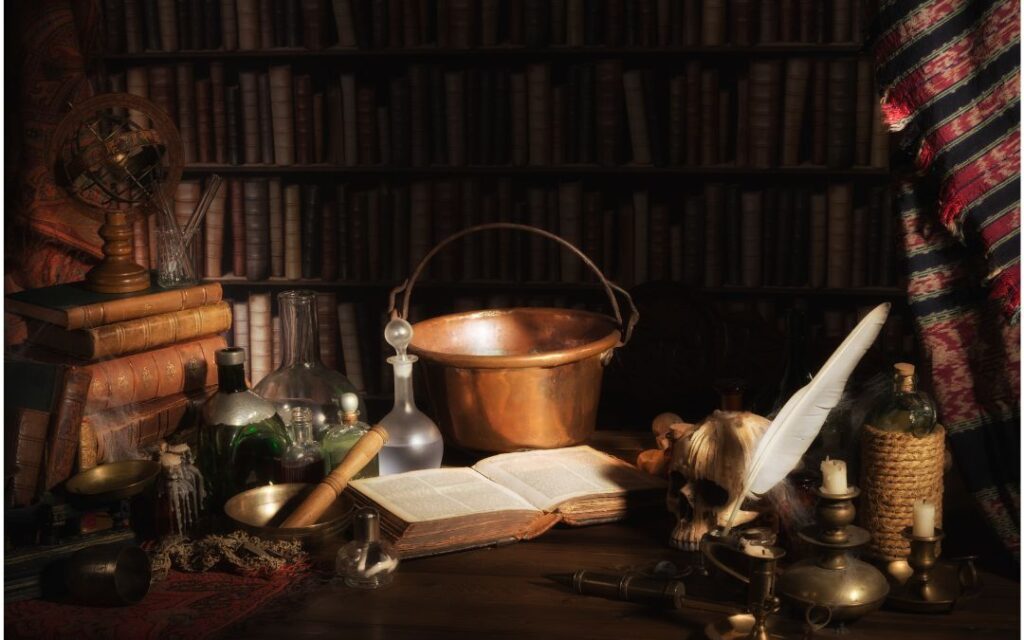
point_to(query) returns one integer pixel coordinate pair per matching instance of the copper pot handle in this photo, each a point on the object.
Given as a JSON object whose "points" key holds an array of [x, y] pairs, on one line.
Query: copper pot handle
{"points": [[610, 288]]}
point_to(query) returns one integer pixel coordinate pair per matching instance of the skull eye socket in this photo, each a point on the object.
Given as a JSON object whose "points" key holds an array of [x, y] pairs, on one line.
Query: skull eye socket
{"points": [[712, 494]]}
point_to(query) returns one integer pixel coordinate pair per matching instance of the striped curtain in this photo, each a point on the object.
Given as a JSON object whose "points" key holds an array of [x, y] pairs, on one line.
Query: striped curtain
{"points": [[950, 80]]}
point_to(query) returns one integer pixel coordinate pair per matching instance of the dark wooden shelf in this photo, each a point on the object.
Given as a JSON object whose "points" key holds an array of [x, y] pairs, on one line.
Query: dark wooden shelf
{"points": [[644, 171], [800, 48]]}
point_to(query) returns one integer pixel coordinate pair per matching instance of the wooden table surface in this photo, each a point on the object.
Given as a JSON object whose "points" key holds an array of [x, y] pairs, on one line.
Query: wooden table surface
{"points": [[502, 593]]}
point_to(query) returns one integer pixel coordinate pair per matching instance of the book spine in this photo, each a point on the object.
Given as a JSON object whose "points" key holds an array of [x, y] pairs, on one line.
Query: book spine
{"points": [[62, 440], [751, 257], [234, 153], [113, 23], [609, 110], [520, 126], [819, 113], [229, 24], [319, 138], [313, 18], [863, 128], [709, 122], [281, 114], [250, 117], [140, 242], [713, 22], [570, 204], [303, 108], [636, 114], [693, 241], [217, 95], [292, 232], [266, 9], [204, 122], [327, 328], [240, 334], [256, 205], [819, 240], [238, 244], [277, 351], [713, 212], [266, 120], [329, 241], [29, 447], [797, 75], [260, 340], [366, 125], [133, 29], [840, 213], [454, 103], [350, 348], [538, 90], [214, 237], [841, 107], [168, 25], [693, 112], [248, 16], [276, 224], [161, 89], [348, 101]]}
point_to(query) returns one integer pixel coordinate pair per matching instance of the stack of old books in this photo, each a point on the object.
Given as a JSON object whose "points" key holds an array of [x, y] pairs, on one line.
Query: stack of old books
{"points": [[101, 376]]}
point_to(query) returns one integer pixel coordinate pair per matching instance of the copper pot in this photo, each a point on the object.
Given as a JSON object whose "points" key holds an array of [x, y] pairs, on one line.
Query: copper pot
{"points": [[510, 379]]}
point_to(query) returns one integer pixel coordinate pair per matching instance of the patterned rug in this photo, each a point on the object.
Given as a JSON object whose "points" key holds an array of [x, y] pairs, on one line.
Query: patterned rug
{"points": [[185, 605]]}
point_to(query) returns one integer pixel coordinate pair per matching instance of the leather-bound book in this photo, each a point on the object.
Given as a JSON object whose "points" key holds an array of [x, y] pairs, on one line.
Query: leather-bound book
{"points": [[636, 114], [186, 111], [114, 25], [489, 22], [751, 258], [277, 349], [366, 125], [693, 113], [140, 242], [784, 238], [794, 108], [280, 24], [400, 122], [614, 19], [765, 78], [261, 343], [137, 83], [725, 140], [204, 122], [593, 22], [220, 125], [311, 259], [742, 14], [858, 248], [626, 260], [132, 336], [250, 117], [769, 218], [168, 20], [469, 216], [571, 115], [211, 24], [400, 267], [732, 248], [520, 121], [841, 21], [276, 212], [538, 92], [585, 116], [341, 226], [236, 192], [248, 25], [872, 237], [107, 434], [257, 228], [214, 236], [319, 128], [819, 112], [691, 23], [292, 24], [419, 132], [240, 333], [327, 327], [420, 220], [292, 232], [329, 241], [454, 110], [788, 29], [29, 445], [314, 15], [818, 263], [445, 215], [609, 111], [197, 23], [557, 22], [558, 134], [709, 123], [438, 122], [841, 114], [536, 210], [768, 31], [800, 253], [412, 26], [840, 215], [357, 258], [591, 226], [383, 137], [348, 330], [266, 120], [742, 153], [394, 15], [658, 238], [348, 103], [462, 20], [570, 228], [808, 20], [303, 119], [161, 89], [234, 154], [229, 25], [677, 119], [281, 114], [471, 106], [62, 439], [888, 240], [134, 34], [535, 22], [863, 127], [183, 20], [713, 234], [713, 22], [335, 126], [693, 240], [344, 23], [503, 119]]}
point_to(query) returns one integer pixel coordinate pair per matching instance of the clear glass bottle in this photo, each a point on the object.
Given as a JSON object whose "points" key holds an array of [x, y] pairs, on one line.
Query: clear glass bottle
{"points": [[414, 441], [241, 438], [302, 380], [367, 562], [907, 409], [341, 437], [302, 461]]}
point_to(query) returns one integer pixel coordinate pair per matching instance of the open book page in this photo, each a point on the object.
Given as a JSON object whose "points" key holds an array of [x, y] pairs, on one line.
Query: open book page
{"points": [[546, 478], [435, 494]]}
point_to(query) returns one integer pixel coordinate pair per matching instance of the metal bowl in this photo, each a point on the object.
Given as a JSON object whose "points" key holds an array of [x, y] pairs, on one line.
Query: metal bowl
{"points": [[113, 481], [261, 511]]}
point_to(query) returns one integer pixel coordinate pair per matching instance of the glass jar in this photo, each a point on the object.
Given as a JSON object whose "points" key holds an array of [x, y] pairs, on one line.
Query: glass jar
{"points": [[241, 437], [906, 409], [302, 380], [340, 438]]}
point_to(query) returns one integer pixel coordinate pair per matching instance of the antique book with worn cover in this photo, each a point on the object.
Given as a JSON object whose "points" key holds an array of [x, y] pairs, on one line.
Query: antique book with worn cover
{"points": [[504, 498], [29, 445]]}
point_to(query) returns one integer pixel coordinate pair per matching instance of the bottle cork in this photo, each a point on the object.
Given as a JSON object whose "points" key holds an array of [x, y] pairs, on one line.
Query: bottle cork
{"points": [[904, 368]]}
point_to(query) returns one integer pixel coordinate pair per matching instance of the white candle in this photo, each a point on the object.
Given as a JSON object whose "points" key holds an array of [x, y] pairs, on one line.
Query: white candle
{"points": [[833, 475], [924, 519]]}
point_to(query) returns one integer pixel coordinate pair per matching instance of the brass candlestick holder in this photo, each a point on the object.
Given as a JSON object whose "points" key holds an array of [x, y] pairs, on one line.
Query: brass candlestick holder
{"points": [[935, 586], [834, 586]]}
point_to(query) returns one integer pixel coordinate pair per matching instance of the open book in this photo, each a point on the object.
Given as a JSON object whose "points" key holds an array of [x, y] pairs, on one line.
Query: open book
{"points": [[504, 498]]}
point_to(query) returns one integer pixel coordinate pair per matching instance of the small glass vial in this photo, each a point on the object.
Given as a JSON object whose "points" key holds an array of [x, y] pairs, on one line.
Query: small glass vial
{"points": [[367, 562], [906, 409], [302, 461], [340, 438]]}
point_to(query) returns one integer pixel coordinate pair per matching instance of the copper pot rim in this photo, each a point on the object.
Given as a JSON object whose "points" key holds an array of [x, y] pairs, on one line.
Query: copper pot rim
{"points": [[552, 358]]}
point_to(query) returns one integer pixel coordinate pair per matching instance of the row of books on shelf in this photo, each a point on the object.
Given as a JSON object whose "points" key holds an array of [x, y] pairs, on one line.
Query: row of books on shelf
{"points": [[721, 234], [773, 112], [134, 26]]}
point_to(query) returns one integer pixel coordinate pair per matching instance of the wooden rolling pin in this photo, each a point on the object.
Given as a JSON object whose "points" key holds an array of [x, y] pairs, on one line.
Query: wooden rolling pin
{"points": [[325, 493]]}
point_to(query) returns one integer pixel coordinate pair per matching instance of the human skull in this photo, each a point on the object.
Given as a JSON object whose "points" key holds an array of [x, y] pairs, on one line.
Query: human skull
{"points": [[709, 462]]}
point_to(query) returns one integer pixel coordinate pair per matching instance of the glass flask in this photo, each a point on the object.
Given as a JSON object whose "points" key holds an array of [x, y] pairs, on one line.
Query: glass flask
{"points": [[302, 461], [414, 441], [241, 437], [367, 562], [302, 380], [906, 409], [340, 438]]}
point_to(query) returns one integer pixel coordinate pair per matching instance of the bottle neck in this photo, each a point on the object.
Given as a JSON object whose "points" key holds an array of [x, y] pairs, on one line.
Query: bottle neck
{"points": [[403, 382], [231, 378], [905, 384], [349, 419], [302, 432], [300, 338]]}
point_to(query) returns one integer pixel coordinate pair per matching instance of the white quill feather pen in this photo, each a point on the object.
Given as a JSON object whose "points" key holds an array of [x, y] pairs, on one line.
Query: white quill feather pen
{"points": [[801, 418]]}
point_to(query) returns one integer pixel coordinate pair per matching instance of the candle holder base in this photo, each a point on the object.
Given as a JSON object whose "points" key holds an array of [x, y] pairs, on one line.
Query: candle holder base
{"points": [[739, 627], [936, 585]]}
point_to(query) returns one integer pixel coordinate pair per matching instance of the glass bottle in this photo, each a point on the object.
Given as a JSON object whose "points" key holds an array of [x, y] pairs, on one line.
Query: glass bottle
{"points": [[341, 437], [414, 441], [367, 562], [302, 461], [241, 437], [302, 380], [906, 409]]}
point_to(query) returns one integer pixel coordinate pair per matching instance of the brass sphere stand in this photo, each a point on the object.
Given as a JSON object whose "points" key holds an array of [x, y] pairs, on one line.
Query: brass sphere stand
{"points": [[935, 586], [834, 581]]}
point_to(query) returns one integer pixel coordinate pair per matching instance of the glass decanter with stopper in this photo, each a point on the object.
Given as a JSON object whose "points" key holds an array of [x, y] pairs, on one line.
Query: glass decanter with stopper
{"points": [[414, 440], [340, 438], [241, 437], [302, 461], [302, 380], [906, 409]]}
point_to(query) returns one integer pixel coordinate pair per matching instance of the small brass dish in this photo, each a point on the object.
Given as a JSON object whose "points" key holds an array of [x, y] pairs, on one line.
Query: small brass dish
{"points": [[261, 511], [113, 481]]}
